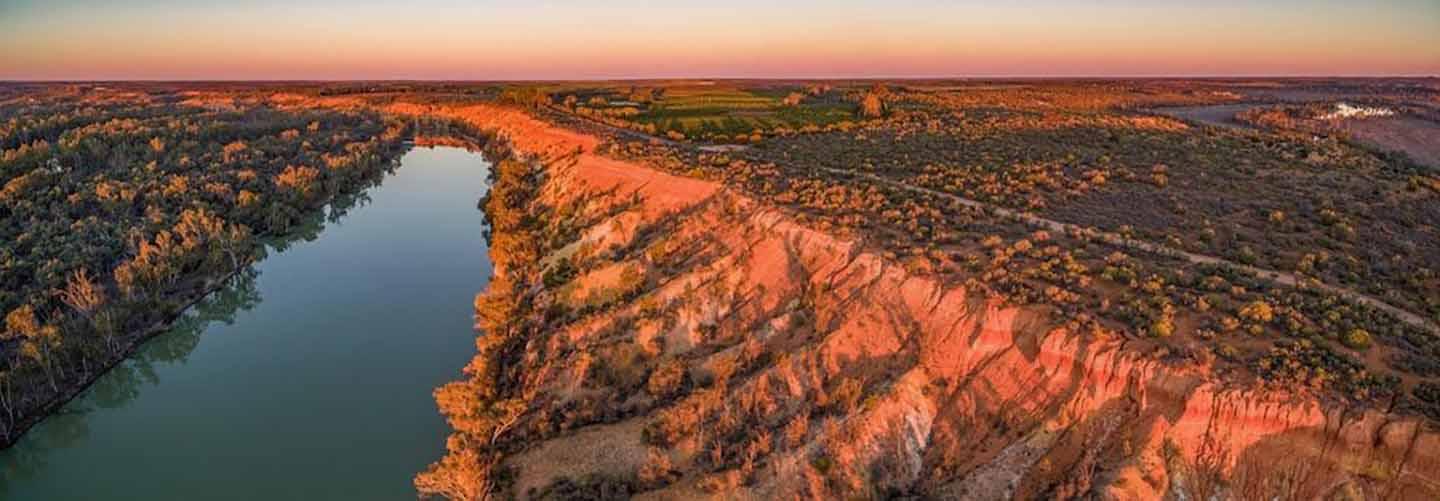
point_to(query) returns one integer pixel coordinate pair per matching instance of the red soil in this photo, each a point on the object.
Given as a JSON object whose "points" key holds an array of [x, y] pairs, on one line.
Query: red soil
{"points": [[967, 398]]}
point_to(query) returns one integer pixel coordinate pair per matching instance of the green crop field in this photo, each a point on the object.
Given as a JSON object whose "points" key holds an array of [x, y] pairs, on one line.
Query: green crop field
{"points": [[706, 111], [729, 111]]}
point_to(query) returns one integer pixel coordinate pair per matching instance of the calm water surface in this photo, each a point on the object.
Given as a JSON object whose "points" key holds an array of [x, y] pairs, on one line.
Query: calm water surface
{"points": [[308, 379]]}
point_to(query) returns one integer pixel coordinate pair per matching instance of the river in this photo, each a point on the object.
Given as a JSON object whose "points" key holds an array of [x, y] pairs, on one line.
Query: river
{"points": [[308, 378]]}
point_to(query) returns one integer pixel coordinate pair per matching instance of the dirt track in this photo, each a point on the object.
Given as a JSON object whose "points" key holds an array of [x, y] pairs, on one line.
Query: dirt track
{"points": [[1272, 276], [1276, 277]]}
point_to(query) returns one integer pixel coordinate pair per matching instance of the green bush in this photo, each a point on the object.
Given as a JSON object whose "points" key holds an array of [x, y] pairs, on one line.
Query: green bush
{"points": [[1356, 339]]}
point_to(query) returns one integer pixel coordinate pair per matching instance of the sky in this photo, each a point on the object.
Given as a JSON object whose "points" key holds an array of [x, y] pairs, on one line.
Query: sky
{"points": [[572, 39]]}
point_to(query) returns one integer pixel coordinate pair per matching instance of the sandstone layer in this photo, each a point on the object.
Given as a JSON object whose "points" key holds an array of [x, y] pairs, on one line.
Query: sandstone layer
{"points": [[710, 346]]}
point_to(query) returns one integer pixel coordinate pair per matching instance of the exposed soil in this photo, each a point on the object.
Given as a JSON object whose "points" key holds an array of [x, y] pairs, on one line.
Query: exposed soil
{"points": [[962, 397], [817, 368]]}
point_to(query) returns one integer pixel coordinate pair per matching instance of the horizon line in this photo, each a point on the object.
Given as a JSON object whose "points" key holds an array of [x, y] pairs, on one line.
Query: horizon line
{"points": [[731, 78]]}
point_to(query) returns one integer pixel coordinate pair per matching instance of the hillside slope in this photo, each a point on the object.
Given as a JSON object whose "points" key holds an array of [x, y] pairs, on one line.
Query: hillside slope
{"points": [[665, 338]]}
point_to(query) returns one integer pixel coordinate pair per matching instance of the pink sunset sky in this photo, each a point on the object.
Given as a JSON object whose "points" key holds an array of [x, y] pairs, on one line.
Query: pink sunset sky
{"points": [[501, 39]]}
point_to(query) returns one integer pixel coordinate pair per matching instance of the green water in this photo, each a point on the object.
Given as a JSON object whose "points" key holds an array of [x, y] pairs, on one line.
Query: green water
{"points": [[309, 378]]}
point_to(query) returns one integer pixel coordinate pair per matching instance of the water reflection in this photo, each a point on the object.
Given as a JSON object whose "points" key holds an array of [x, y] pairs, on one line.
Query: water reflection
{"points": [[321, 392], [123, 383]]}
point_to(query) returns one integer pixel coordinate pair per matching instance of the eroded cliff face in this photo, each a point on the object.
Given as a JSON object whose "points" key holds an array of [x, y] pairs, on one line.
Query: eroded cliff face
{"points": [[665, 338]]}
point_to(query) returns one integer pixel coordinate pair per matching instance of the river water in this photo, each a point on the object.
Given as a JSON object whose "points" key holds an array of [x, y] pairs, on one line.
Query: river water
{"points": [[309, 378]]}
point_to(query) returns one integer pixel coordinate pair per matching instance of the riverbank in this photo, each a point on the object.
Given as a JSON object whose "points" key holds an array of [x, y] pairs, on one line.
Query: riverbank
{"points": [[820, 368], [311, 378], [28, 420], [30, 409]]}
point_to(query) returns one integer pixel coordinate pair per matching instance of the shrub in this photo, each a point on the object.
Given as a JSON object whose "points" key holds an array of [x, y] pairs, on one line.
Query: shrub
{"points": [[1162, 327], [1428, 397], [1258, 311], [657, 470], [871, 106], [559, 274], [667, 379], [846, 397], [822, 464], [796, 431], [1356, 339]]}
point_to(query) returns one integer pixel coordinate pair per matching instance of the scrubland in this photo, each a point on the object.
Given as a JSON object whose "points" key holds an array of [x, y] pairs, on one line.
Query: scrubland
{"points": [[961, 290], [870, 307]]}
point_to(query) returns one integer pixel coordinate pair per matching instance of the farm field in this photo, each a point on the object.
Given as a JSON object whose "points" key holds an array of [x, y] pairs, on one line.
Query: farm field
{"points": [[722, 112]]}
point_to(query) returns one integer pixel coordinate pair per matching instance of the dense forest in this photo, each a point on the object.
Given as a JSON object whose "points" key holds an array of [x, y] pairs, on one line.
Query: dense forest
{"points": [[120, 208]]}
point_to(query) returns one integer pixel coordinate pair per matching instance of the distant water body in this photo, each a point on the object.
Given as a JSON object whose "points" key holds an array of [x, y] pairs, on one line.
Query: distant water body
{"points": [[310, 378]]}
